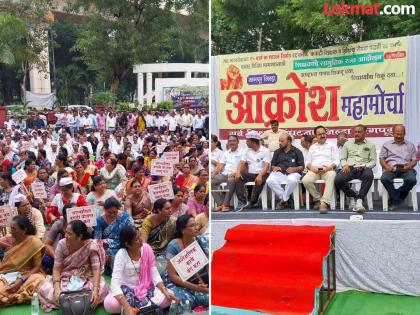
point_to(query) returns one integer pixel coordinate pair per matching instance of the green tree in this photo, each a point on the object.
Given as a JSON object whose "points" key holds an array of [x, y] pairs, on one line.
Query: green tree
{"points": [[120, 34]]}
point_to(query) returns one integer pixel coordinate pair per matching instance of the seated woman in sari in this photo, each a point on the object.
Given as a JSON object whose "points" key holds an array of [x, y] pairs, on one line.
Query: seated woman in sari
{"points": [[136, 281], [46, 180], [55, 189], [196, 288], [21, 266], [99, 194], [31, 172], [8, 190], [79, 263], [108, 227], [66, 196], [138, 203], [159, 227], [82, 177], [196, 203], [34, 216], [186, 179], [178, 206]]}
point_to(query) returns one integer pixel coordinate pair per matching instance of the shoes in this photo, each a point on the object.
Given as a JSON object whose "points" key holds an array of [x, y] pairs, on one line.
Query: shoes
{"points": [[323, 208], [280, 205], [352, 204], [316, 205], [219, 208], [242, 207], [359, 208], [225, 209]]}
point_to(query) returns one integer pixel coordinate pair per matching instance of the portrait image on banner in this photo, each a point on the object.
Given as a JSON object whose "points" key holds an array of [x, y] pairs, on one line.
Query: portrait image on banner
{"points": [[338, 87]]}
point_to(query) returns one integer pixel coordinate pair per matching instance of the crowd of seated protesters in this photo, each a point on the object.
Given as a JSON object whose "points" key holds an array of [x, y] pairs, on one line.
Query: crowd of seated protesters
{"points": [[317, 159], [109, 170]]}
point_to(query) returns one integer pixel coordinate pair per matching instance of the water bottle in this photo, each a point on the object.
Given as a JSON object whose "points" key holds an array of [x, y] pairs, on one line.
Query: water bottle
{"points": [[173, 310], [187, 307], [35, 304]]}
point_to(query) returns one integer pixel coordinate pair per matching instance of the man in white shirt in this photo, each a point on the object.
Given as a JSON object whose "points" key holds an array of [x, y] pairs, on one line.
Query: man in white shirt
{"points": [[272, 136], [198, 122], [321, 161], [52, 152], [87, 144], [172, 123], [111, 122], [149, 121], [257, 158], [117, 146], [225, 172], [187, 120]]}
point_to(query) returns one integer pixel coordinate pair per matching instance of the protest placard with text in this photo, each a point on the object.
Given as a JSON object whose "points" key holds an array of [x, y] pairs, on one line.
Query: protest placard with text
{"points": [[38, 189], [85, 214], [161, 190], [172, 156], [160, 148], [162, 168], [190, 261], [6, 215], [19, 176]]}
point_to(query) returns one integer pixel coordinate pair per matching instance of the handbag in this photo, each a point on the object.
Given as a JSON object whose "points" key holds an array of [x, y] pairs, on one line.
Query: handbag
{"points": [[76, 302]]}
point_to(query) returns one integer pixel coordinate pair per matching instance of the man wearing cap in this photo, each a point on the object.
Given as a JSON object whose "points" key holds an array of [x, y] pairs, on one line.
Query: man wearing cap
{"points": [[321, 161], [52, 152], [273, 135], [286, 166], [254, 166]]}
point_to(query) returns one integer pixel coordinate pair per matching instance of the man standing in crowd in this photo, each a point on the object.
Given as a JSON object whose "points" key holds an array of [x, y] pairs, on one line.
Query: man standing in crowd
{"points": [[358, 158], [225, 173], [398, 160], [286, 166], [253, 167], [272, 135], [187, 121], [321, 161]]}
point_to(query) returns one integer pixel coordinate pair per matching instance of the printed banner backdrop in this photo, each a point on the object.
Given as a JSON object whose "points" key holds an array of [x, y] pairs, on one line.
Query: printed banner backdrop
{"points": [[337, 87]]}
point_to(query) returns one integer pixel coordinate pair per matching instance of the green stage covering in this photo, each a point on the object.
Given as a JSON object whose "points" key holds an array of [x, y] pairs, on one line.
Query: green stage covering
{"points": [[364, 303], [25, 309]]}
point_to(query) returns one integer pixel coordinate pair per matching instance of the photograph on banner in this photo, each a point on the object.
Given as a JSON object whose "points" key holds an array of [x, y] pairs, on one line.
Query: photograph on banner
{"points": [[190, 261], [161, 190], [337, 87], [162, 168], [85, 214], [6, 215]]}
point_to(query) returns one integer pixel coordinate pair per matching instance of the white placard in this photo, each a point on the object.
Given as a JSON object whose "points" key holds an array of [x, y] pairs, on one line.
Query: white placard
{"points": [[172, 156], [6, 215], [190, 261], [38, 189], [160, 148], [19, 176], [85, 214], [162, 168], [161, 190]]}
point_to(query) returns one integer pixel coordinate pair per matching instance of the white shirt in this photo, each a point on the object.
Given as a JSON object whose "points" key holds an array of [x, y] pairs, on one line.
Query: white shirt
{"points": [[321, 155], [231, 160], [117, 148], [186, 120], [149, 121], [172, 123], [126, 271], [256, 159], [111, 122], [216, 155], [51, 156], [198, 122]]}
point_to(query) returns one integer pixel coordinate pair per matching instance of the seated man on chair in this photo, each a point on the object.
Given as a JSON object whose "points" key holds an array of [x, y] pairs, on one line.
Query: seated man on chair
{"points": [[225, 173], [287, 165], [398, 159], [321, 161], [253, 167], [358, 158]]}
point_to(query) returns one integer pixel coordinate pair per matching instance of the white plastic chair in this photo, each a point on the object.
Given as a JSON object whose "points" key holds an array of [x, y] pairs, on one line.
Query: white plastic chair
{"points": [[222, 188], [321, 181], [398, 183], [296, 194], [263, 196]]}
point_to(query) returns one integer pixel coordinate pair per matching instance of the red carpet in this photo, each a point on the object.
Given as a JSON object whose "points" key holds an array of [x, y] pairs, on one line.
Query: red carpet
{"points": [[270, 268]]}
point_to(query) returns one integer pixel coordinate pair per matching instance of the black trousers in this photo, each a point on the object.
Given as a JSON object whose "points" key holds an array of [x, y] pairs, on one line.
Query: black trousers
{"points": [[398, 195], [366, 176], [256, 190]]}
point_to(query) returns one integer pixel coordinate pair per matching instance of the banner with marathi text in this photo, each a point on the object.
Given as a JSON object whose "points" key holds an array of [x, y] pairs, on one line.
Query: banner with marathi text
{"points": [[338, 87]]}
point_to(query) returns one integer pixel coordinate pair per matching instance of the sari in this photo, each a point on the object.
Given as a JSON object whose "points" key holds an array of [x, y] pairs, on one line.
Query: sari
{"points": [[80, 263], [111, 232], [30, 179], [22, 258], [159, 236], [85, 183]]}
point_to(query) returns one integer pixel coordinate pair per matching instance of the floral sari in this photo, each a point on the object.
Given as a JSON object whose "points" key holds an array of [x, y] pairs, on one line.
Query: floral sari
{"points": [[22, 258], [160, 235], [80, 263]]}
